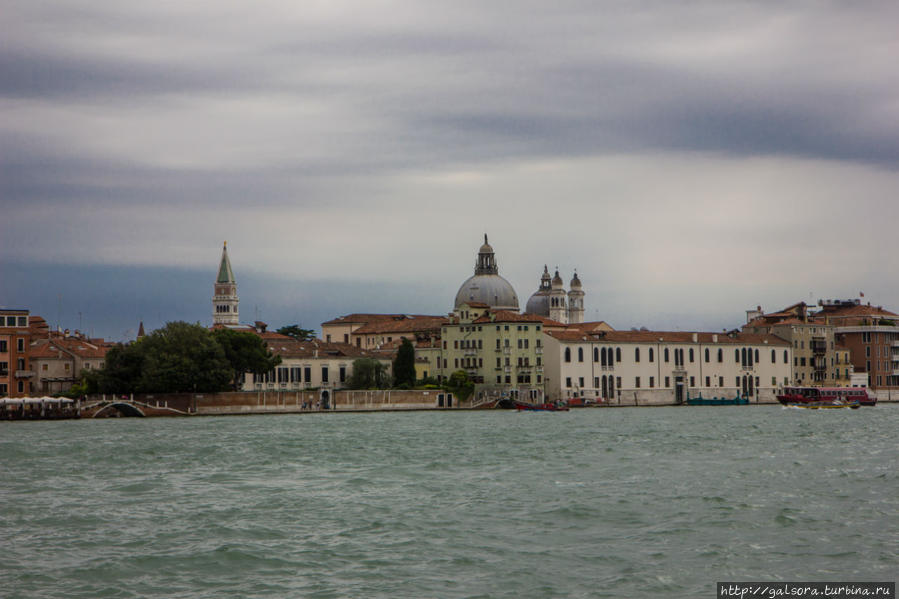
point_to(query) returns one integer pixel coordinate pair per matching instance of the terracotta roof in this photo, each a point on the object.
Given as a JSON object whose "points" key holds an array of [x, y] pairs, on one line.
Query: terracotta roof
{"points": [[405, 325], [291, 348], [853, 311], [666, 337], [367, 318], [72, 345], [598, 325], [476, 304], [509, 316]]}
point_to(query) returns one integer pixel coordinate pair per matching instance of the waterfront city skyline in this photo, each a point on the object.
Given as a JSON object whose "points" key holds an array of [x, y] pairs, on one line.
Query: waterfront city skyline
{"points": [[689, 162]]}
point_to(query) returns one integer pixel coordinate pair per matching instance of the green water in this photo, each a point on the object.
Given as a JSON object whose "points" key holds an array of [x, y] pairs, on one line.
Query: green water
{"points": [[651, 502]]}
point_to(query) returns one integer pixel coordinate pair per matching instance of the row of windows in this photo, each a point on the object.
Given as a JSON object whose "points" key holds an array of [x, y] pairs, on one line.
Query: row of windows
{"points": [[608, 384], [296, 375], [744, 356], [14, 321], [521, 378], [479, 343], [4, 345]]}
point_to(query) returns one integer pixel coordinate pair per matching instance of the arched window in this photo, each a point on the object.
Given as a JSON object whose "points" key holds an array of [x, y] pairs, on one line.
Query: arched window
{"points": [[568, 354], [786, 358], [773, 356], [636, 354], [666, 354], [617, 354], [596, 354], [720, 355], [737, 356], [603, 355], [580, 354], [743, 354], [756, 356], [707, 356], [691, 355], [651, 355]]}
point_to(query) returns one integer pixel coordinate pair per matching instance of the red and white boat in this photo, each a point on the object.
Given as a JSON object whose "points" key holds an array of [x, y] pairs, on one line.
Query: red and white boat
{"points": [[799, 396]]}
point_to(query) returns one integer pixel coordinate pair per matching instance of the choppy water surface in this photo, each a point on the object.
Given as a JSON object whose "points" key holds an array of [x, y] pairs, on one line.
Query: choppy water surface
{"points": [[591, 503]]}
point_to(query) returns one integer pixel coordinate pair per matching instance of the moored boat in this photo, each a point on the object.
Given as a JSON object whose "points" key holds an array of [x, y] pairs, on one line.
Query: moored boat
{"points": [[823, 405], [542, 407], [826, 396]]}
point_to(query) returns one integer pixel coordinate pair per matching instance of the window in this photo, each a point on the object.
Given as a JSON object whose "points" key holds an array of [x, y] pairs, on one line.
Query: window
{"points": [[617, 381], [708, 381], [637, 382], [737, 356], [773, 356], [667, 382], [343, 374], [720, 381], [652, 382], [691, 355], [692, 381], [707, 357], [580, 382], [20, 344], [666, 356], [596, 356], [324, 374], [618, 356], [568, 355], [3, 348], [720, 355], [568, 382], [580, 354], [651, 357], [636, 354], [756, 357]]}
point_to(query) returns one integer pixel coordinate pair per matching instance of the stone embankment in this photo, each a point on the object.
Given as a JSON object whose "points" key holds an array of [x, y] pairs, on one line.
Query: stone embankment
{"points": [[276, 402]]}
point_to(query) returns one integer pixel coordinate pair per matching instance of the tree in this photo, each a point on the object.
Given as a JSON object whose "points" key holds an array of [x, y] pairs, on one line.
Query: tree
{"points": [[368, 373], [404, 365], [245, 352], [177, 357], [297, 333], [460, 385]]}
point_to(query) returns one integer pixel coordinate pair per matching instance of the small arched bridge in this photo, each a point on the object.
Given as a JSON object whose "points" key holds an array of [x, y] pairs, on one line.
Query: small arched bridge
{"points": [[104, 409]]}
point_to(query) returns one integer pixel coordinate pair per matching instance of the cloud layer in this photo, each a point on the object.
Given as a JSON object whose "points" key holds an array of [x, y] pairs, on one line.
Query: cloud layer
{"points": [[680, 156]]}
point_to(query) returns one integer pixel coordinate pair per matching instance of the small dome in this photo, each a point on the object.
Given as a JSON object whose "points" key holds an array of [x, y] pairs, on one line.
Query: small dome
{"points": [[538, 304], [557, 280], [575, 282]]}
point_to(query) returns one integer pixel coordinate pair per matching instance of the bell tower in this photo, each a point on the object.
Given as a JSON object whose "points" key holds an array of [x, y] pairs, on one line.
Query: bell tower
{"points": [[224, 300], [558, 308]]}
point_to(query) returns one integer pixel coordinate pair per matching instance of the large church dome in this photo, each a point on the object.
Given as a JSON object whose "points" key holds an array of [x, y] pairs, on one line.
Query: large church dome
{"points": [[486, 286]]}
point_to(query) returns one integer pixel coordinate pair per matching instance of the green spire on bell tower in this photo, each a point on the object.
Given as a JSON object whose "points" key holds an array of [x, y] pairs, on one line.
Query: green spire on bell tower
{"points": [[226, 275]]}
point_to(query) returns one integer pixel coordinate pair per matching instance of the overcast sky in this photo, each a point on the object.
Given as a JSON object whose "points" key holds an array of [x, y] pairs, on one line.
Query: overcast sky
{"points": [[690, 159]]}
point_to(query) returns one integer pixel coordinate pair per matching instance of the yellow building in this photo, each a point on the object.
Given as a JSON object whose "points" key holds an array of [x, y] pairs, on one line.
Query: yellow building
{"points": [[843, 368]]}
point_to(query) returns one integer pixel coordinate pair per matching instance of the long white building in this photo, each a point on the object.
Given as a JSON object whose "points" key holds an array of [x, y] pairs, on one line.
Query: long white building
{"points": [[656, 367]]}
